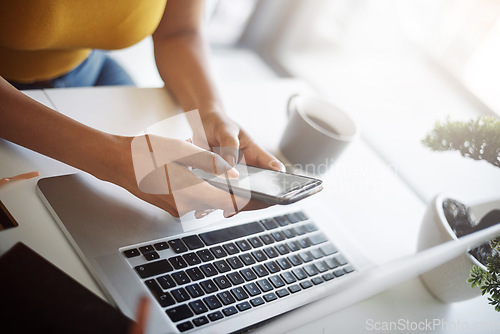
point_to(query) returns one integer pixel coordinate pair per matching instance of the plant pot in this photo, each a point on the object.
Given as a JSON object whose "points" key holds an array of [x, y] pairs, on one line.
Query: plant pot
{"points": [[448, 282]]}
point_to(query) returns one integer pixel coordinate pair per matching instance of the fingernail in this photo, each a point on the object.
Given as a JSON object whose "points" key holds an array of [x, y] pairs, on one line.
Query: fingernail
{"points": [[233, 173], [203, 214]]}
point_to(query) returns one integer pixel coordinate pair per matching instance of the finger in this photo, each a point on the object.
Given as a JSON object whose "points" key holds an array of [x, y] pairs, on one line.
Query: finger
{"points": [[141, 316], [203, 213], [229, 144], [256, 156]]}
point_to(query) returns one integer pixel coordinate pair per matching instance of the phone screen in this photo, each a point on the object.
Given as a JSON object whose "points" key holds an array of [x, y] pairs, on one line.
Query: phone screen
{"points": [[260, 180]]}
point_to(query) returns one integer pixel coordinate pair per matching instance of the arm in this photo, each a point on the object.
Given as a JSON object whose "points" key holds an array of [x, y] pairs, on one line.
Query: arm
{"points": [[181, 58]]}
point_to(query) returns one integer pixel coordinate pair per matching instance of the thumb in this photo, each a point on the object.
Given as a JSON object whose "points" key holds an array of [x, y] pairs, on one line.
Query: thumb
{"points": [[228, 146]]}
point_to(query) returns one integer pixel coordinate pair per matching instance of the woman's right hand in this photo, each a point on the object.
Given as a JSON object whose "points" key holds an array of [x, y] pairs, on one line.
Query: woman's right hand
{"points": [[158, 171]]}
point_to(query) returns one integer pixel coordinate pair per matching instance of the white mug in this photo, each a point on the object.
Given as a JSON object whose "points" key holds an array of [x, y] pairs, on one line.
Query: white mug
{"points": [[317, 133]]}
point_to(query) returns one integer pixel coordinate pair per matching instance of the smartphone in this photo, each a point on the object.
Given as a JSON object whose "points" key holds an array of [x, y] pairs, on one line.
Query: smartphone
{"points": [[265, 185]]}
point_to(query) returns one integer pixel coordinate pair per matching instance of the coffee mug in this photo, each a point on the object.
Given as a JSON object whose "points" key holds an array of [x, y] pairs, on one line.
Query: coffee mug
{"points": [[317, 133]]}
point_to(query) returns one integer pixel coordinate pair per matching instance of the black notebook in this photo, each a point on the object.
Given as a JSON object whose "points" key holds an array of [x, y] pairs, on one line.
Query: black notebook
{"points": [[37, 297]]}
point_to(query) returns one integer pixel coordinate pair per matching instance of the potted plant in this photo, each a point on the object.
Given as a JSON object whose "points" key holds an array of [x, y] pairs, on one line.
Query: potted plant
{"points": [[449, 218]]}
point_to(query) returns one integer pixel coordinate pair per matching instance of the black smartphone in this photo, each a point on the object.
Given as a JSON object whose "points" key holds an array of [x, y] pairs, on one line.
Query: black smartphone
{"points": [[266, 185]]}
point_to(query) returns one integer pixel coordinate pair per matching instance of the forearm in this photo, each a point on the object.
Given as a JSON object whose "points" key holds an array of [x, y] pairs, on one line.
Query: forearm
{"points": [[39, 128], [182, 62]]}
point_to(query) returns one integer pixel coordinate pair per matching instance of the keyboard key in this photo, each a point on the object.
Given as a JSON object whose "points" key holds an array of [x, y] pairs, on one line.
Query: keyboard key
{"points": [[318, 238], [272, 267], [205, 255], [317, 280], [193, 242], [177, 246], [247, 259], [180, 295], [294, 288], [198, 307], [226, 298], [278, 236], [151, 256], [306, 284], [332, 262], [185, 326], [348, 269], [195, 274], [341, 259], [306, 256], [208, 269], [231, 248], [321, 266], [259, 255], [292, 218], [288, 277], [257, 301], [301, 215], [222, 282], [180, 277], [255, 241], [235, 262], [304, 242], [328, 249], [269, 223], [209, 286], [267, 239], [215, 316], [243, 245], [239, 293], [252, 289], [284, 263], [200, 321], [222, 266], [276, 281], [311, 227], [271, 252], [178, 262], [294, 246], [163, 298], [282, 220], [260, 270], [194, 290], [338, 272], [153, 268], [264, 285], [235, 278], [301, 230], [244, 306], [328, 276], [131, 252], [248, 274], [161, 246], [146, 249], [295, 259], [289, 233], [218, 252], [270, 297], [282, 293], [231, 233], [299, 273], [179, 313], [166, 282], [212, 302], [316, 253], [191, 259], [311, 270], [229, 311], [283, 249]]}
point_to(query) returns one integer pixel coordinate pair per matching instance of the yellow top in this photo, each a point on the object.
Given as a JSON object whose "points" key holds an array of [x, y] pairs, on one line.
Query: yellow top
{"points": [[43, 39]]}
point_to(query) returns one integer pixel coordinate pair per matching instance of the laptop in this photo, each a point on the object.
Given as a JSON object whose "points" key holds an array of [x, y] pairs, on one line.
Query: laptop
{"points": [[222, 275]]}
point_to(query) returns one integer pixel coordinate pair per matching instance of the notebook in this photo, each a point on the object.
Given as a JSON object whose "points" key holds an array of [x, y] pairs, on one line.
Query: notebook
{"points": [[221, 275]]}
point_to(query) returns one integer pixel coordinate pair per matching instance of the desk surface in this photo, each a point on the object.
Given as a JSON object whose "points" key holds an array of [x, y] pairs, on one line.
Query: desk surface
{"points": [[363, 192]]}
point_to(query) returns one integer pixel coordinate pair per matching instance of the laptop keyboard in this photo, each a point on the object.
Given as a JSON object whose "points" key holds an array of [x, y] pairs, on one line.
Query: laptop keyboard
{"points": [[223, 272]]}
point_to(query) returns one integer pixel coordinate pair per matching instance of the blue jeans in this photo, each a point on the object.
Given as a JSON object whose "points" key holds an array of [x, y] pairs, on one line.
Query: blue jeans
{"points": [[97, 70]]}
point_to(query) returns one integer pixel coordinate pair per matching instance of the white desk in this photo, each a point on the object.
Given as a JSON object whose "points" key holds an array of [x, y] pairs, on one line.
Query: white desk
{"points": [[362, 191]]}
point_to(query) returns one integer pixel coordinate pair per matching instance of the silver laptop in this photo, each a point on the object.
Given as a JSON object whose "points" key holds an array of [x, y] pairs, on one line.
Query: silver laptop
{"points": [[217, 275]]}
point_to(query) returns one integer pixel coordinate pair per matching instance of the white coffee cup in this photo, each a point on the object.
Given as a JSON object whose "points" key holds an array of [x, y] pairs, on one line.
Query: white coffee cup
{"points": [[317, 133]]}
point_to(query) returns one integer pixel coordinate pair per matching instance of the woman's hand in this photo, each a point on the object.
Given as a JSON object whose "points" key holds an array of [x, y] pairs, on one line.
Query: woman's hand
{"points": [[158, 170], [223, 132]]}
